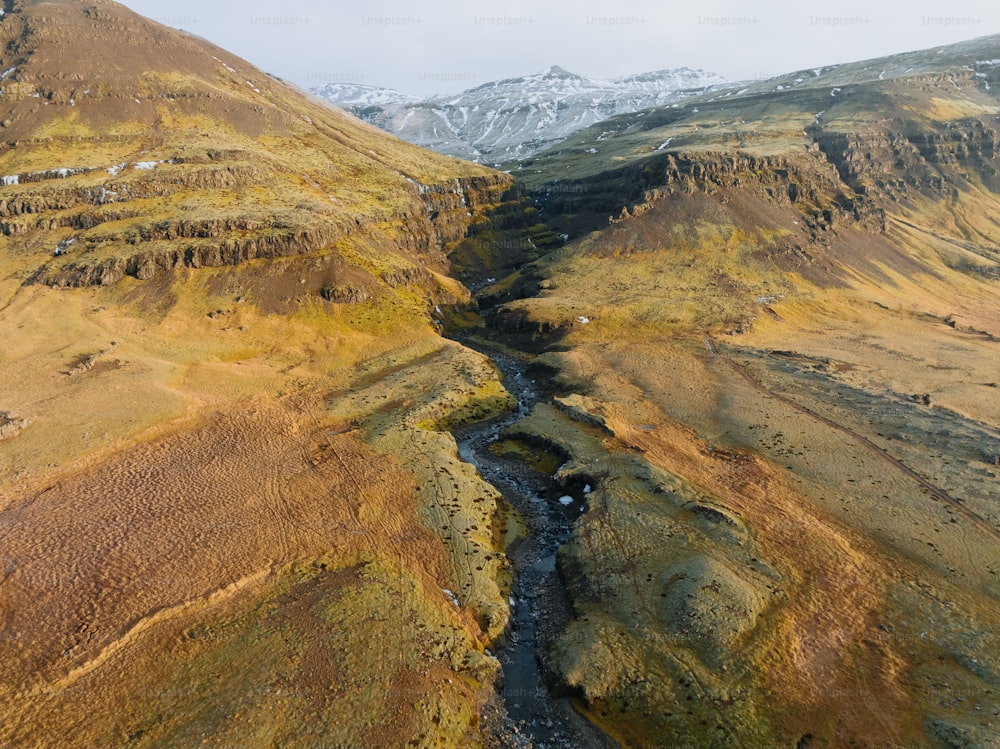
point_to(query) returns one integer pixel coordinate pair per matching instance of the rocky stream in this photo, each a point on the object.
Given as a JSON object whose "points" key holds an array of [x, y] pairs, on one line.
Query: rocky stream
{"points": [[529, 710]]}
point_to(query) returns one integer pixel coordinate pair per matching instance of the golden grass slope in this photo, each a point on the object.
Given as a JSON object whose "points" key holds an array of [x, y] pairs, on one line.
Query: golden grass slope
{"points": [[232, 525], [129, 148], [786, 326]]}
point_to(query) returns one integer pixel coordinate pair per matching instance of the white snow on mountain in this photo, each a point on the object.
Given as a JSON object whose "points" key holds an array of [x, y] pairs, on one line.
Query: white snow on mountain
{"points": [[514, 118], [355, 95]]}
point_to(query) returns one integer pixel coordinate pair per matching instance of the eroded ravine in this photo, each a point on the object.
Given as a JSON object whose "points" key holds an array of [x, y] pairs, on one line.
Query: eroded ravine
{"points": [[528, 712]]}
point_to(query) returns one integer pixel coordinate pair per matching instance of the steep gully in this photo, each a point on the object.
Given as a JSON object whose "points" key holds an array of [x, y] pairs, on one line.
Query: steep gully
{"points": [[528, 713]]}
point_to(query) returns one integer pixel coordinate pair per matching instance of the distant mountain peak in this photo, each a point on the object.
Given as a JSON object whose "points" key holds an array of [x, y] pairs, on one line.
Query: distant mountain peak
{"points": [[554, 71], [704, 77], [360, 94]]}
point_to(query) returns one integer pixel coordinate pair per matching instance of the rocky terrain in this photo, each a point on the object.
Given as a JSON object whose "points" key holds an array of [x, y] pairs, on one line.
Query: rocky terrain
{"points": [[508, 120], [10, 425]]}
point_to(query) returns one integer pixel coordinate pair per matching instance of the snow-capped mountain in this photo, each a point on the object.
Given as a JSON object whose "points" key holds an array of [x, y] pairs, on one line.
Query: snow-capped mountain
{"points": [[511, 119], [357, 95]]}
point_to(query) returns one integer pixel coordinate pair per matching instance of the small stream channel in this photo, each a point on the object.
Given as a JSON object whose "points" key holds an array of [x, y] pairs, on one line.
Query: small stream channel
{"points": [[527, 713]]}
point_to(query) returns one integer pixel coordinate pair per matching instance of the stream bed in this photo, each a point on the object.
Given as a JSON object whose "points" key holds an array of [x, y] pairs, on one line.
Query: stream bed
{"points": [[527, 713]]}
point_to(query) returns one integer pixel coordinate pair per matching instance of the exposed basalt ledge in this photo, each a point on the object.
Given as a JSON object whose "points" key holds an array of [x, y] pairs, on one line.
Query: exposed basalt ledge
{"points": [[440, 217], [452, 209], [517, 326], [929, 160], [807, 180], [840, 177]]}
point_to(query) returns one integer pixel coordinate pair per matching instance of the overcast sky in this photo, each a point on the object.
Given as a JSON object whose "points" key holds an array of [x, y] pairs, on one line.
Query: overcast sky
{"points": [[443, 46]]}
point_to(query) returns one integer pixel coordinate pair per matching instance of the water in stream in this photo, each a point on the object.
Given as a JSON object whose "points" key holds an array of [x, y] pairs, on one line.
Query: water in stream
{"points": [[528, 714]]}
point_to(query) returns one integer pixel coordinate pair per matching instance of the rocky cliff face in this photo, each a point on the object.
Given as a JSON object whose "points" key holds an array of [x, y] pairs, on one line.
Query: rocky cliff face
{"points": [[438, 217], [891, 162], [807, 180]]}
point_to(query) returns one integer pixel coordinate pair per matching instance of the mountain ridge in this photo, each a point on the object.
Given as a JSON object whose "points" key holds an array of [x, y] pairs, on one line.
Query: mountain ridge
{"points": [[160, 120], [509, 119]]}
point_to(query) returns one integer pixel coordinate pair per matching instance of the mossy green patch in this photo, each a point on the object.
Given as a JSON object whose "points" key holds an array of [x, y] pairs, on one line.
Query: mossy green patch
{"points": [[540, 459], [486, 401]]}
